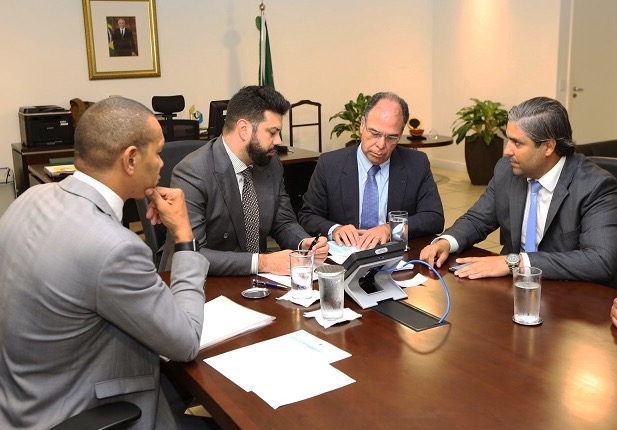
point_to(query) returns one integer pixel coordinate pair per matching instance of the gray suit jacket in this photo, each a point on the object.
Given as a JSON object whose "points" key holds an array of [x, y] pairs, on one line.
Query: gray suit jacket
{"points": [[84, 315], [580, 236], [213, 199], [332, 196]]}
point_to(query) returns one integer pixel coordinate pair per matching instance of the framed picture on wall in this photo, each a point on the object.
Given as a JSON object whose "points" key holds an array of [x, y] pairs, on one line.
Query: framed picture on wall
{"points": [[121, 39]]}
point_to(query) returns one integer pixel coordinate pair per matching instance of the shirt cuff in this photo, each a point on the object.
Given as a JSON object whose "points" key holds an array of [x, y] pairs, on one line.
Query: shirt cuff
{"points": [[451, 240], [331, 231], [254, 264], [525, 258]]}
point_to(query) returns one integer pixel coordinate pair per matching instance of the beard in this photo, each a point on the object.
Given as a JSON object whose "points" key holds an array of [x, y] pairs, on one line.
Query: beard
{"points": [[259, 156]]}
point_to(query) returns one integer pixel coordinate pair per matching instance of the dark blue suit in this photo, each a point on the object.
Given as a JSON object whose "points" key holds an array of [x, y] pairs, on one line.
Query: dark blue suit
{"points": [[332, 196]]}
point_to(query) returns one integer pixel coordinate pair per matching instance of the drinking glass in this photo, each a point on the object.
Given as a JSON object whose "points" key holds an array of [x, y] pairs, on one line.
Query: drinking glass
{"points": [[301, 270]]}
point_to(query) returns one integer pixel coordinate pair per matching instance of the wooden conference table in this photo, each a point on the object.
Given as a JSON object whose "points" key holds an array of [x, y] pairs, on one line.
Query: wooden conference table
{"points": [[481, 371]]}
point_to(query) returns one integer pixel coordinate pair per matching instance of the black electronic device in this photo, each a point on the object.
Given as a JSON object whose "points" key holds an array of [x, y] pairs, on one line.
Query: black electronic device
{"points": [[367, 279], [47, 125], [216, 117]]}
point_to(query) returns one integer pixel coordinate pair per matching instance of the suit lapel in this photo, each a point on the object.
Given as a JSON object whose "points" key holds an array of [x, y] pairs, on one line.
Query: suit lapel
{"points": [[397, 183], [561, 190], [228, 186], [349, 188]]}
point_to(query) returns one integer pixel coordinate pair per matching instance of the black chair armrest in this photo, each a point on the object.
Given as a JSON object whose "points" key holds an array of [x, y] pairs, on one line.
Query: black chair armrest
{"points": [[116, 415]]}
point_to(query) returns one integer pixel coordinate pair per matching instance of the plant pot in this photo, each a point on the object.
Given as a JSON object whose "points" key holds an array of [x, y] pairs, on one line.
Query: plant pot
{"points": [[481, 159]]}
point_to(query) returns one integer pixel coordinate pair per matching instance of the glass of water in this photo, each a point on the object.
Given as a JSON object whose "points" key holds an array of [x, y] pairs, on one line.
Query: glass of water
{"points": [[331, 290], [527, 288], [301, 270], [399, 227]]}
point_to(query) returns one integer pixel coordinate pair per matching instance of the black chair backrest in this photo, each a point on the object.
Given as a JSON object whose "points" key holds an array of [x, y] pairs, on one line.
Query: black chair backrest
{"points": [[172, 154], [607, 163], [179, 129]]}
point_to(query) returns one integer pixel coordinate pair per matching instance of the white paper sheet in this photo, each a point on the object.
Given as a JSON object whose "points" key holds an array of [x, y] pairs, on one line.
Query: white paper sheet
{"points": [[304, 372]]}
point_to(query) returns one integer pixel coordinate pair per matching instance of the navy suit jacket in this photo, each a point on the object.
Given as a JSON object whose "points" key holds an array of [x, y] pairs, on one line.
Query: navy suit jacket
{"points": [[332, 196], [580, 235]]}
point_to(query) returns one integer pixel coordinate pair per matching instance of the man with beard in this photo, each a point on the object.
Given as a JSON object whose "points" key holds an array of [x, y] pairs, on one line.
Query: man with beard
{"points": [[574, 235], [235, 192]]}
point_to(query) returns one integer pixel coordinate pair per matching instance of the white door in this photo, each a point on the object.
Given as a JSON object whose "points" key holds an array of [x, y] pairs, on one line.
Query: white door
{"points": [[592, 95]]}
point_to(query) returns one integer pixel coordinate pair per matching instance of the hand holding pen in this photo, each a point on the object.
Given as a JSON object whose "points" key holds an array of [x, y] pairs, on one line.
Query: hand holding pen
{"points": [[320, 248]]}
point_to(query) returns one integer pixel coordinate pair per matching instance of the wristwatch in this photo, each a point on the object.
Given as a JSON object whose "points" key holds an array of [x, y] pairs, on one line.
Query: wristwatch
{"points": [[513, 261], [186, 246]]}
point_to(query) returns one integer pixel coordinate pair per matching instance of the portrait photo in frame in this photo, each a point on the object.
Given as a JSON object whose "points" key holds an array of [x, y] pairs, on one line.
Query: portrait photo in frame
{"points": [[121, 39]]}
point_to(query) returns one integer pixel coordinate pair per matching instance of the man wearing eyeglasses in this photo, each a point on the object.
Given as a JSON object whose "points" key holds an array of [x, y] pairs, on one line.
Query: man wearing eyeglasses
{"points": [[353, 189]]}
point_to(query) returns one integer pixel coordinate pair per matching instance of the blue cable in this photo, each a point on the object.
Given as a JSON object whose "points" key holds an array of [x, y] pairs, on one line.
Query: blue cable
{"points": [[443, 283]]}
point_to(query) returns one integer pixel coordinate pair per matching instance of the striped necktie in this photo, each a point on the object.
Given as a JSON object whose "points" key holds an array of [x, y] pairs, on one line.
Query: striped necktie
{"points": [[250, 206]]}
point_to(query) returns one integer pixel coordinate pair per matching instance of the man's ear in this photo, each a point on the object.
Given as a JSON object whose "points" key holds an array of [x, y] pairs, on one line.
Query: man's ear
{"points": [[244, 129], [129, 159], [550, 147]]}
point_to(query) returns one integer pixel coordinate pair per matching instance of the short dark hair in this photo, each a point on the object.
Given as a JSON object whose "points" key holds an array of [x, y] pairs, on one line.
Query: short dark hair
{"points": [[109, 127], [388, 96], [542, 119], [251, 104]]}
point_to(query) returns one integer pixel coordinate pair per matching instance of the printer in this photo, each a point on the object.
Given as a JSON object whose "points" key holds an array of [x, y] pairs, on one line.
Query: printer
{"points": [[45, 125]]}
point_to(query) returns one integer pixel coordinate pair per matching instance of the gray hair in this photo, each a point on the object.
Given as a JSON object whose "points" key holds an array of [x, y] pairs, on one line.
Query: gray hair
{"points": [[388, 96], [542, 119], [109, 127]]}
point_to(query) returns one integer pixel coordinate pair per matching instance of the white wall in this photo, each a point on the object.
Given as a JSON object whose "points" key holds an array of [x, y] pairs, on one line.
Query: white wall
{"points": [[431, 52]]}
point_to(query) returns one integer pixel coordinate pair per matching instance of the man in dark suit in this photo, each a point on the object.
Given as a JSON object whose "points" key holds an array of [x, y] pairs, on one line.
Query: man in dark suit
{"points": [[336, 193], [217, 179], [571, 234], [124, 44], [84, 315]]}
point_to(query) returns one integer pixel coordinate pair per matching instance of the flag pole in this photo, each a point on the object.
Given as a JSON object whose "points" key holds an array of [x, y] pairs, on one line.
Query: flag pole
{"points": [[262, 46]]}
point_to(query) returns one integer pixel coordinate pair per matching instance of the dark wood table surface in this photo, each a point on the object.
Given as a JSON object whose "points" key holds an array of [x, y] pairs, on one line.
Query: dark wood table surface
{"points": [[428, 142], [481, 371]]}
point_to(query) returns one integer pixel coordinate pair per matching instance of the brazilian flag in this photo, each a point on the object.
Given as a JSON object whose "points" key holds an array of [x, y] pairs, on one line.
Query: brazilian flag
{"points": [[110, 37], [268, 78]]}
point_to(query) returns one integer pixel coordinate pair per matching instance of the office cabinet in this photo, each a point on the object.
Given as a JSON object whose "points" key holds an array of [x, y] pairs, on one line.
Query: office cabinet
{"points": [[24, 155]]}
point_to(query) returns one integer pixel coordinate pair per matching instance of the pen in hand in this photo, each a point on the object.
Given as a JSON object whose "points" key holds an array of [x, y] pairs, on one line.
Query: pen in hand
{"points": [[315, 241], [269, 284]]}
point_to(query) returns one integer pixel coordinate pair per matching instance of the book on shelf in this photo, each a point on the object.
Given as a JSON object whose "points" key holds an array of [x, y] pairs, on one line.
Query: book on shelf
{"points": [[60, 170], [224, 318]]}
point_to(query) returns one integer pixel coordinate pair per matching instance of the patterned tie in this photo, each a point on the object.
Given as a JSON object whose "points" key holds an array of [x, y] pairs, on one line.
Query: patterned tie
{"points": [[530, 235], [251, 212], [370, 203]]}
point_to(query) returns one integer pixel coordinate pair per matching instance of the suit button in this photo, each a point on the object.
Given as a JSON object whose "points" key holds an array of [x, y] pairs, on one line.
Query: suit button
{"points": [[225, 235]]}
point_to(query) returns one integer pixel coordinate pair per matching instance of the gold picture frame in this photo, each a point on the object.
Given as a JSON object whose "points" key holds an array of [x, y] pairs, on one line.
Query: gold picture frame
{"points": [[117, 41]]}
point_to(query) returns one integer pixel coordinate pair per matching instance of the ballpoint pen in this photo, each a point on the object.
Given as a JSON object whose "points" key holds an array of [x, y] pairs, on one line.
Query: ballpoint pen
{"points": [[315, 241], [269, 284]]}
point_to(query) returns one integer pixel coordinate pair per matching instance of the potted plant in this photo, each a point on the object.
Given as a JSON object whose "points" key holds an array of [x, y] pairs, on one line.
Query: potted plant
{"points": [[352, 117], [480, 125]]}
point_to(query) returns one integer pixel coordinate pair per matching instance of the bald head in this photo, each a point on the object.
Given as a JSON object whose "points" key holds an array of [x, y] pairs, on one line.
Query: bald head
{"points": [[109, 127]]}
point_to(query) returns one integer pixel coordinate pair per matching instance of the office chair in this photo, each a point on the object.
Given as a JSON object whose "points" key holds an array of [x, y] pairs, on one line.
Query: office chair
{"points": [[292, 125], [111, 416], [607, 163], [171, 155], [174, 129]]}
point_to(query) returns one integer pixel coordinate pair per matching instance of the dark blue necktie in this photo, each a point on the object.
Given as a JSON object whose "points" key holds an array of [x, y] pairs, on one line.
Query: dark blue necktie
{"points": [[370, 203], [532, 215]]}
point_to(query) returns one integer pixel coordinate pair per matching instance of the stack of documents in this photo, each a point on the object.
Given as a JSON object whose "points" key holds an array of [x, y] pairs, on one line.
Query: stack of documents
{"points": [[61, 170], [224, 318]]}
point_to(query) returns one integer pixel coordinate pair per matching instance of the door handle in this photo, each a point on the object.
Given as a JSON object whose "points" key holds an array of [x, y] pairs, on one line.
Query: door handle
{"points": [[575, 90]]}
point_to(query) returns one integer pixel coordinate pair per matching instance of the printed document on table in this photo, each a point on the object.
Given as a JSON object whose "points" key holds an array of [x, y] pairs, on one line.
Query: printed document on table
{"points": [[305, 371]]}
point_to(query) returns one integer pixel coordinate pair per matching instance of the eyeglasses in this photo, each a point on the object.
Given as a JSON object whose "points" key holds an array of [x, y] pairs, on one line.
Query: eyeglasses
{"points": [[392, 139]]}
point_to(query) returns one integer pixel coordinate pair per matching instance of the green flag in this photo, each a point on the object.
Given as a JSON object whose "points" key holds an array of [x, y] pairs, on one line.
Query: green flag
{"points": [[265, 59], [110, 37]]}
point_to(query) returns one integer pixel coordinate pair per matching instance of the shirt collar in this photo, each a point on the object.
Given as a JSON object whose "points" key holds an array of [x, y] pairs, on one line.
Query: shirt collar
{"points": [[550, 178], [113, 199], [237, 164], [364, 162]]}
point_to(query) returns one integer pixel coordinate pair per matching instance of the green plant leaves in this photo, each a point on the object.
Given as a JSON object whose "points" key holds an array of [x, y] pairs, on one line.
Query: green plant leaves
{"points": [[483, 119], [352, 117]]}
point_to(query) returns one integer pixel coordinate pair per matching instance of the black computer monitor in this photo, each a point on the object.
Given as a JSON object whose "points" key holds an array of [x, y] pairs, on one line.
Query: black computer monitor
{"points": [[216, 118]]}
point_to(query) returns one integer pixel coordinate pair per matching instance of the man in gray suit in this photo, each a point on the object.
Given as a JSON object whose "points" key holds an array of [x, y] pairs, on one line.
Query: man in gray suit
{"points": [[333, 203], [216, 177], [84, 315], [575, 231]]}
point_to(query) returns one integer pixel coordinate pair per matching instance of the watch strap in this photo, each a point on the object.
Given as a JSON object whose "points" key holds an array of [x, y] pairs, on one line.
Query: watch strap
{"points": [[186, 246]]}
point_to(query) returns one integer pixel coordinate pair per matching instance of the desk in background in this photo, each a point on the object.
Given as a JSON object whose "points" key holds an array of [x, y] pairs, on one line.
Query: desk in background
{"points": [[429, 142], [482, 371], [24, 156]]}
